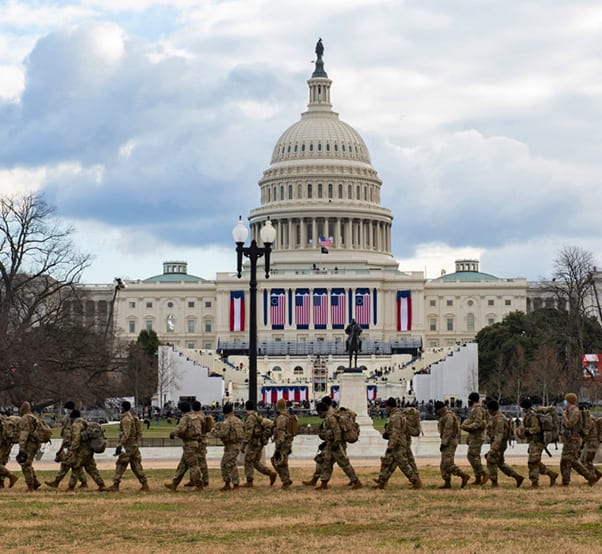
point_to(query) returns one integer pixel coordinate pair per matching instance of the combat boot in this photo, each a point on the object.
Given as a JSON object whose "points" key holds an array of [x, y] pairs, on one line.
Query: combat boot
{"points": [[484, 478], [446, 484], [30, 488], [70, 489], [101, 487], [417, 484], [380, 484], [465, 478], [83, 485], [273, 477], [519, 480], [494, 484], [1, 483], [477, 480], [593, 479], [170, 485], [226, 486], [198, 488], [13, 479], [287, 485], [249, 484], [235, 485], [553, 476], [189, 484], [534, 484], [145, 487], [113, 488], [52, 484], [311, 482], [323, 486], [357, 484], [36, 484]]}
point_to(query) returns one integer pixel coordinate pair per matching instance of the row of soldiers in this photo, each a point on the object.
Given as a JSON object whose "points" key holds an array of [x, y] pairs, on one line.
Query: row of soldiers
{"points": [[246, 439]]}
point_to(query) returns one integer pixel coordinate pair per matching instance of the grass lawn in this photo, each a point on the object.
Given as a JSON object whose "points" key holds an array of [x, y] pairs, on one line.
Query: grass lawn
{"points": [[299, 520]]}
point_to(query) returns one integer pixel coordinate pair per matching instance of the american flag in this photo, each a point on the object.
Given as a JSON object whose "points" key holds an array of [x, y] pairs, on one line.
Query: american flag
{"points": [[337, 308], [320, 308], [325, 241], [404, 310], [302, 308], [362, 307], [237, 310], [277, 308]]}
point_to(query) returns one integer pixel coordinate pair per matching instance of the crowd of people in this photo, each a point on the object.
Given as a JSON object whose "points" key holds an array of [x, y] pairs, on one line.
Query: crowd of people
{"points": [[245, 438]]}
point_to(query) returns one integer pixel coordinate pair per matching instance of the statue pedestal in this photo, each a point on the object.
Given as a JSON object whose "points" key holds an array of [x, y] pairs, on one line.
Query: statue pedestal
{"points": [[353, 396]]}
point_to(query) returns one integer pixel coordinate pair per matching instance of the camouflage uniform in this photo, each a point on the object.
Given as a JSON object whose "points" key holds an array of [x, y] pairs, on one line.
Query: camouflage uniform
{"points": [[588, 452], [407, 450], [475, 425], [571, 443], [534, 435], [82, 457], [335, 450], [283, 442], [130, 454], [254, 448], [230, 432], [449, 431], [498, 439], [29, 445], [188, 429], [62, 455], [6, 446], [201, 451], [396, 452]]}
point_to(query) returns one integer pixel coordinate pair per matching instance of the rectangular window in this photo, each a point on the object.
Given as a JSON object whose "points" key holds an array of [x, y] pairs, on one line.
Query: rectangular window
{"points": [[450, 324], [507, 302], [450, 302], [490, 321], [191, 325], [433, 302], [190, 345], [309, 191], [207, 304], [132, 326], [208, 326], [490, 302], [149, 325], [433, 324], [132, 304], [191, 304], [208, 346], [149, 304]]}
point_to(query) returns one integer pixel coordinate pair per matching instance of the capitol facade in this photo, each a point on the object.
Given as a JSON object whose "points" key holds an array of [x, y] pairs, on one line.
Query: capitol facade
{"points": [[331, 261]]}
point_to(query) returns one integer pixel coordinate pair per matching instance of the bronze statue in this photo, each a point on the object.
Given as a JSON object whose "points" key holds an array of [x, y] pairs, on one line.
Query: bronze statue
{"points": [[353, 344], [319, 49]]}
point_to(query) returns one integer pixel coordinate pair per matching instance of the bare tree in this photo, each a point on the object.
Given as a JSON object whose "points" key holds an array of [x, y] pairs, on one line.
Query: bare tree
{"points": [[39, 269], [572, 284], [167, 375], [546, 374], [514, 384]]}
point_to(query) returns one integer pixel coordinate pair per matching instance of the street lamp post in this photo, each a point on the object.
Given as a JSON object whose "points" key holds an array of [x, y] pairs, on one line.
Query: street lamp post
{"points": [[253, 252]]}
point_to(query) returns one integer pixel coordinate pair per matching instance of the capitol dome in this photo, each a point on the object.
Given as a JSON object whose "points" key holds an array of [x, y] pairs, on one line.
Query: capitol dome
{"points": [[321, 192]]}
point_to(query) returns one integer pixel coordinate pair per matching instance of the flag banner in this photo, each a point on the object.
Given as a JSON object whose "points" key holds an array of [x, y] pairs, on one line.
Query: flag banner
{"points": [[404, 310], [271, 395], [324, 250], [320, 308], [335, 393], [302, 308], [371, 392], [374, 305], [337, 308], [290, 307], [325, 241], [362, 307], [277, 308], [237, 310]]}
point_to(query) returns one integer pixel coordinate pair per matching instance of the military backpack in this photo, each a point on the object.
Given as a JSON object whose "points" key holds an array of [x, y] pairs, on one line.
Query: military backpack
{"points": [[549, 421], [599, 427], [292, 425], [42, 432], [587, 423], [208, 423], [9, 429], [412, 417], [94, 437], [348, 424], [263, 429], [195, 428]]}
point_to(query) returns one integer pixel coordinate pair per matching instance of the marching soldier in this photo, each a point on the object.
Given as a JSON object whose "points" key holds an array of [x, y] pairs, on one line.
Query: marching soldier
{"points": [[230, 432], [449, 431], [253, 446], [28, 446], [283, 443], [128, 453], [81, 457], [475, 425], [6, 445]]}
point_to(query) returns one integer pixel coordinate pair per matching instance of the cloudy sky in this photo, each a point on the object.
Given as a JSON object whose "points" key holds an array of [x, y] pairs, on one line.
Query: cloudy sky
{"points": [[147, 123]]}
